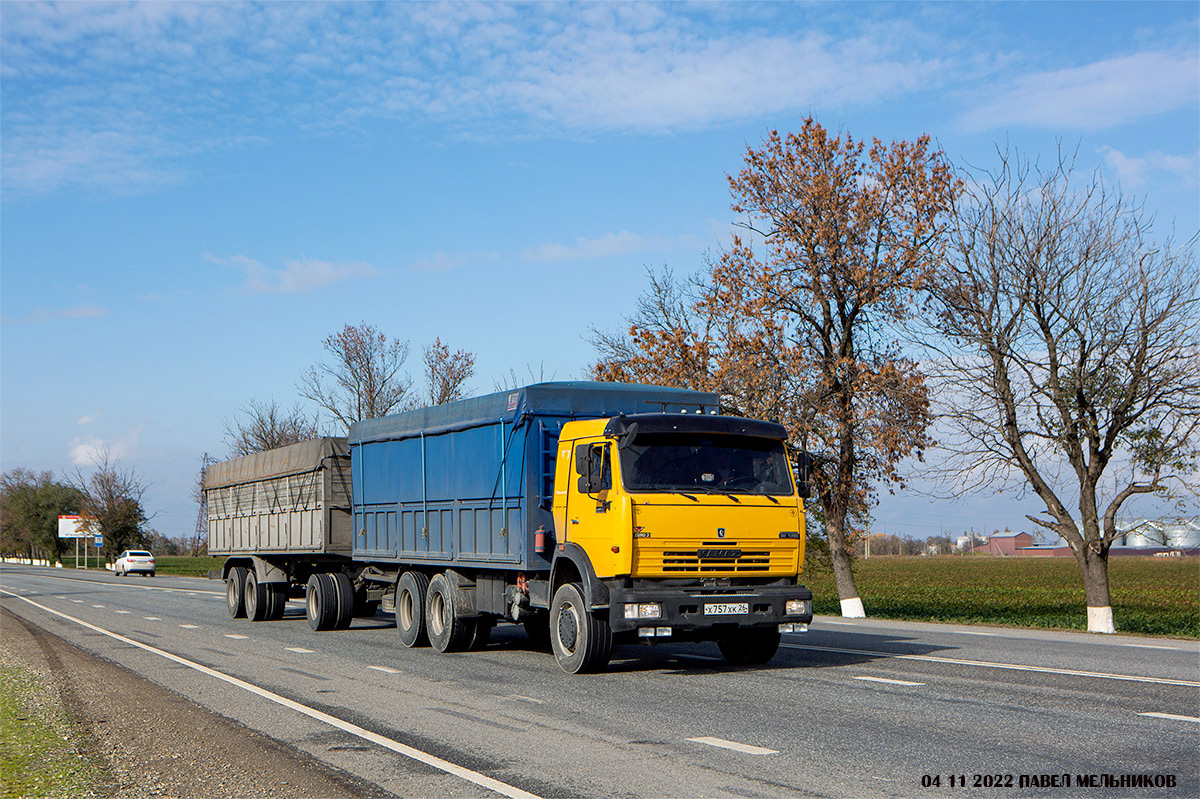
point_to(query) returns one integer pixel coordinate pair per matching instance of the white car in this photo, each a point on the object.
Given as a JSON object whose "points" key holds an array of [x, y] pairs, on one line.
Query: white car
{"points": [[134, 561]]}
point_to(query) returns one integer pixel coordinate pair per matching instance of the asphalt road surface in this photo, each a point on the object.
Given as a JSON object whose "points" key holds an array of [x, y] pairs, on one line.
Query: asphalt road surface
{"points": [[861, 708]]}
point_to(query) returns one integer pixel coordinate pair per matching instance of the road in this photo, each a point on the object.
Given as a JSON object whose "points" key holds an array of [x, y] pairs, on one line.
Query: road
{"points": [[862, 708]]}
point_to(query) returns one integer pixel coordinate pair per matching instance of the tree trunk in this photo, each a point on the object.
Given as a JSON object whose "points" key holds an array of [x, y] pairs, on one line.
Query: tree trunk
{"points": [[1095, 582], [835, 528]]}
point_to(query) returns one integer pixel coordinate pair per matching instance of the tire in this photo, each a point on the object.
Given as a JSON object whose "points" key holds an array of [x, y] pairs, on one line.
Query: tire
{"points": [[410, 609], [447, 632], [277, 596], [258, 602], [581, 640], [343, 594], [319, 604], [538, 630], [235, 592], [481, 635], [749, 647]]}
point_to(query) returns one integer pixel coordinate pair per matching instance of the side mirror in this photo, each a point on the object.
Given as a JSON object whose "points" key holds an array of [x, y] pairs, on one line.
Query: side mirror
{"points": [[804, 463]]}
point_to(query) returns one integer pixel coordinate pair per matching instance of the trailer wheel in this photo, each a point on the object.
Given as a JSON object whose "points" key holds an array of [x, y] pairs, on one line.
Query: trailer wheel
{"points": [[410, 608], [447, 632], [581, 640], [481, 635], [319, 605], [257, 598], [343, 593], [749, 647], [277, 597], [235, 592]]}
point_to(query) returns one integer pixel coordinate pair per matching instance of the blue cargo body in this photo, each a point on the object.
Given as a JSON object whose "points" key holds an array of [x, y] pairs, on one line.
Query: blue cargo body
{"points": [[469, 483]]}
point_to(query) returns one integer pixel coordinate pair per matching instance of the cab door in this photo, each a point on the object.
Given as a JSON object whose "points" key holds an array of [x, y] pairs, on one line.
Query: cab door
{"points": [[592, 522]]}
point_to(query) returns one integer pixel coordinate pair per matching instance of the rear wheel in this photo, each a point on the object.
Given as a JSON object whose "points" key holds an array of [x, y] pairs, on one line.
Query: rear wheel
{"points": [[343, 592], [410, 608], [257, 597], [277, 596], [235, 592], [581, 640], [749, 647], [317, 603], [447, 632], [482, 634]]}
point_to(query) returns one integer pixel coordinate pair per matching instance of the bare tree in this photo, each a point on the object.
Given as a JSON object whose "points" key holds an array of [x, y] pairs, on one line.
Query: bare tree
{"points": [[512, 382], [361, 378], [1071, 354], [264, 425], [800, 332], [446, 372], [112, 498]]}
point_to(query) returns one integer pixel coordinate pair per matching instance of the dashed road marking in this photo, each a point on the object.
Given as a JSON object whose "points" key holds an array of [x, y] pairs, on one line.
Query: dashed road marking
{"points": [[889, 682], [1151, 646], [97, 606], [236, 636], [1171, 716], [151, 618], [299, 649], [745, 749], [384, 669], [190, 626], [123, 612]]}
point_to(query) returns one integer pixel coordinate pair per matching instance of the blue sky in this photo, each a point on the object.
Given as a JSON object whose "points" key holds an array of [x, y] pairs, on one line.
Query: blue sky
{"points": [[195, 195]]}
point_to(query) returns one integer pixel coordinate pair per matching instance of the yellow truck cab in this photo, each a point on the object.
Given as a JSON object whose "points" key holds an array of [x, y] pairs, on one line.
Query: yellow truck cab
{"points": [[675, 527]]}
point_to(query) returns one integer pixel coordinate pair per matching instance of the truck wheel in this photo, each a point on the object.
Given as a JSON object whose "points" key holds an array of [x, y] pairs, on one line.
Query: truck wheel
{"points": [[447, 632], [749, 647], [538, 630], [581, 640], [235, 592], [410, 609], [343, 592], [257, 598], [277, 596], [319, 604], [481, 635]]}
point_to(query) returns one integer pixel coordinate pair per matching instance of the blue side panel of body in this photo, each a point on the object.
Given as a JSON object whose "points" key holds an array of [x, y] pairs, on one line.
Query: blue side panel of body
{"points": [[469, 483]]}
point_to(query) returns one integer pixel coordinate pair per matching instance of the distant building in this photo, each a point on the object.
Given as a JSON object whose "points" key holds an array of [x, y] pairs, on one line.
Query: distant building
{"points": [[1004, 544]]}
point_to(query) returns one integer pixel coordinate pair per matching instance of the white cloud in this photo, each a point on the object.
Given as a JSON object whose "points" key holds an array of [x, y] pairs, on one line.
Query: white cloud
{"points": [[296, 276], [1135, 171], [1100, 95], [91, 417], [608, 245], [90, 449]]}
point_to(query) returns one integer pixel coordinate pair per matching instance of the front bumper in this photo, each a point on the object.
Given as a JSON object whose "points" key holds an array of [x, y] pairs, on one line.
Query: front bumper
{"points": [[684, 609]]}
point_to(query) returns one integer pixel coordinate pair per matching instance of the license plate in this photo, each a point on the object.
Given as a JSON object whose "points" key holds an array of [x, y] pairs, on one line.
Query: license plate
{"points": [[726, 608]]}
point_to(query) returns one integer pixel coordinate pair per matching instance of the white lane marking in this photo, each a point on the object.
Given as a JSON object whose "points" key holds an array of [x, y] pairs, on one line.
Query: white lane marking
{"points": [[416, 754], [299, 649], [77, 601], [1150, 646], [97, 606], [841, 623], [734, 745], [384, 669], [1171, 716], [520, 698], [123, 612], [989, 665], [60, 597], [236, 636], [889, 682], [151, 618], [970, 632], [190, 626]]}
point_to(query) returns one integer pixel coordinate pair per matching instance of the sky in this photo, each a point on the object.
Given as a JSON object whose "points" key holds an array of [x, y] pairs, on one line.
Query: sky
{"points": [[193, 196]]}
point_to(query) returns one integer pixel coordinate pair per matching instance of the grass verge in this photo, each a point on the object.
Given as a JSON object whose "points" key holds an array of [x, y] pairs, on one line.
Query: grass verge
{"points": [[40, 754], [1150, 596]]}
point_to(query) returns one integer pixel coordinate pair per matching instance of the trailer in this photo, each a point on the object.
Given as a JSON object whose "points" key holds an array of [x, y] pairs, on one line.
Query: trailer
{"points": [[587, 512]]}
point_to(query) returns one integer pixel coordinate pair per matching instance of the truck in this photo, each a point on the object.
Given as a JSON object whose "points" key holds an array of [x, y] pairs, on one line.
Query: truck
{"points": [[589, 513]]}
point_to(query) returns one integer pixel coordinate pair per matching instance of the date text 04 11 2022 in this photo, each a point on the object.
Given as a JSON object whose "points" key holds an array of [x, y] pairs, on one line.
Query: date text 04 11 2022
{"points": [[1049, 781]]}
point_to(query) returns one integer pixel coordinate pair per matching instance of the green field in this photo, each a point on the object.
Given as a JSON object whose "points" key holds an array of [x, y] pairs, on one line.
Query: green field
{"points": [[1150, 596]]}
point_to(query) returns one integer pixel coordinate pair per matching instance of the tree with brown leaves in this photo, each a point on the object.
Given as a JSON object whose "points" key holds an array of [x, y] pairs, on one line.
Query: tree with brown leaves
{"points": [[362, 378], [446, 372], [1071, 357], [800, 330]]}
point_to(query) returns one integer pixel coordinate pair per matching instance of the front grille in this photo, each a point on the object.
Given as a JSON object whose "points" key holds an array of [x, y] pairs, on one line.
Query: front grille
{"points": [[689, 561]]}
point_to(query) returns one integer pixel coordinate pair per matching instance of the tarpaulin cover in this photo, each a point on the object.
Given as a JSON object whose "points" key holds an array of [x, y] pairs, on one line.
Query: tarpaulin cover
{"points": [[307, 456], [576, 399]]}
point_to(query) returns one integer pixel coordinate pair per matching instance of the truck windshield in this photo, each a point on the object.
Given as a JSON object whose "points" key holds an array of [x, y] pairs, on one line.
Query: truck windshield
{"points": [[684, 462]]}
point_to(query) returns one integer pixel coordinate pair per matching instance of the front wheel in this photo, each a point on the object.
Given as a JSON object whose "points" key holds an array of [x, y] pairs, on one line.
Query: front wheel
{"points": [[749, 647], [581, 640]]}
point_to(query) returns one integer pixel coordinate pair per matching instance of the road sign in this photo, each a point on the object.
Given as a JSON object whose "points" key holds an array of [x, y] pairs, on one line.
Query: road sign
{"points": [[99, 539]]}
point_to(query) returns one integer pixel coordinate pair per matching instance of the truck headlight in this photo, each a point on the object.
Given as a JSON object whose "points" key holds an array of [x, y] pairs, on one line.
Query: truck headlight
{"points": [[798, 607], [643, 610]]}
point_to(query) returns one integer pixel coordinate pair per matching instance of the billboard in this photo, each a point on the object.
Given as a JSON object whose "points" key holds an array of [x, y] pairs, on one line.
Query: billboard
{"points": [[76, 527]]}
